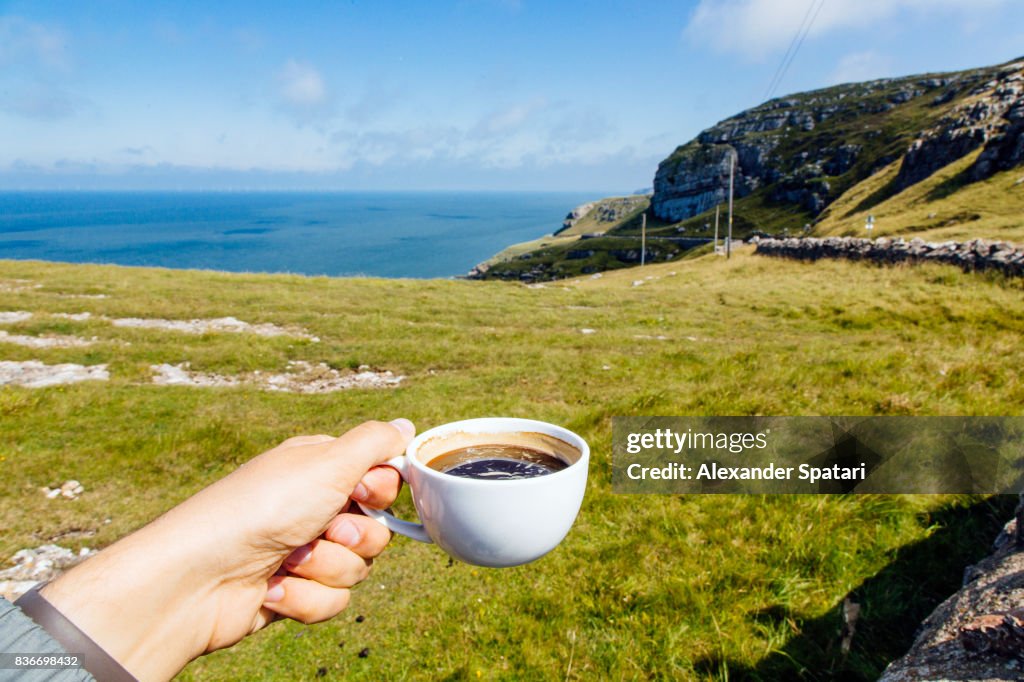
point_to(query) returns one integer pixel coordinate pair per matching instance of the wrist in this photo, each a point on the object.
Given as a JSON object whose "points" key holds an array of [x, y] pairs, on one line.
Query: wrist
{"points": [[134, 599]]}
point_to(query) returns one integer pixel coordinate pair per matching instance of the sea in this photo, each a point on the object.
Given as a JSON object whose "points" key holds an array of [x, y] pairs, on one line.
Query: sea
{"points": [[382, 234]]}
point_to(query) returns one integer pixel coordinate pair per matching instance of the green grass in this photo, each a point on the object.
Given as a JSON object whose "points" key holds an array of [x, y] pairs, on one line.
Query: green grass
{"points": [[560, 258], [652, 587], [515, 250], [938, 208]]}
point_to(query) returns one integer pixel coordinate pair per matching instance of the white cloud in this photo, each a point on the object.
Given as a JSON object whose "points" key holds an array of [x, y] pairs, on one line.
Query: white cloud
{"points": [[861, 66], [32, 44], [34, 60], [377, 99], [301, 86], [380, 147], [529, 132], [510, 118], [580, 126], [144, 150], [755, 28], [37, 100]]}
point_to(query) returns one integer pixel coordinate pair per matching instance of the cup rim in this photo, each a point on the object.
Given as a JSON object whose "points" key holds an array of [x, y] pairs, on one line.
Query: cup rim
{"points": [[523, 424]]}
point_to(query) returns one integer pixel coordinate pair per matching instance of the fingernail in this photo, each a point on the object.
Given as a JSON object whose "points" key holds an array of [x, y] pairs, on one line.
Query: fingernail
{"points": [[404, 426], [299, 556], [275, 593], [360, 493], [346, 533]]}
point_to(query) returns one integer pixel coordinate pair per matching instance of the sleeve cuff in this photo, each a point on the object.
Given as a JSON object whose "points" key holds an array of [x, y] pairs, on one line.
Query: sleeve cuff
{"points": [[98, 662]]}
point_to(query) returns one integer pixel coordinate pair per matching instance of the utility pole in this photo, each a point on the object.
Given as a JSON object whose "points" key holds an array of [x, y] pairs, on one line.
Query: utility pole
{"points": [[643, 238], [717, 206], [732, 173]]}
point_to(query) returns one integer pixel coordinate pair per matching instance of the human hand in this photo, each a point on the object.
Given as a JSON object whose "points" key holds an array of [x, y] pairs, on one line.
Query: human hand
{"points": [[273, 538]]}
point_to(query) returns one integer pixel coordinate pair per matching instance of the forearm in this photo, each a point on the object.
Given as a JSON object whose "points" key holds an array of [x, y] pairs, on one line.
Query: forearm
{"points": [[196, 579], [134, 599]]}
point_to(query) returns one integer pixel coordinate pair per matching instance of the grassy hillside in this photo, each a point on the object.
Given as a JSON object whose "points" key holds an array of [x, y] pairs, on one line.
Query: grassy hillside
{"points": [[664, 587], [935, 209], [802, 152], [552, 252], [608, 214], [938, 208]]}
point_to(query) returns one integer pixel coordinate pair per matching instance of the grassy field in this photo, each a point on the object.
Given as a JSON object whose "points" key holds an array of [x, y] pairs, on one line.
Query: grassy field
{"points": [[644, 587]]}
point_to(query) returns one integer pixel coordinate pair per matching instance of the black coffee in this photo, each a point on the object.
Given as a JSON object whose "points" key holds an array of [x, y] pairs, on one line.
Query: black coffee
{"points": [[498, 462]]}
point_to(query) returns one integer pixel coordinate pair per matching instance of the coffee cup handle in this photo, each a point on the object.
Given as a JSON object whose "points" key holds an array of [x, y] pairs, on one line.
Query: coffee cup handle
{"points": [[416, 531]]}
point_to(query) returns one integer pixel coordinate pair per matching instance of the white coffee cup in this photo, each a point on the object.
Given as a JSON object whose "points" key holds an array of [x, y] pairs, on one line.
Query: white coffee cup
{"points": [[492, 522]]}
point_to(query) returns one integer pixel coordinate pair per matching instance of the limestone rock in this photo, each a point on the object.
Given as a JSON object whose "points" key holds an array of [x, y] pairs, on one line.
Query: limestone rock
{"points": [[69, 490], [300, 377], [34, 565], [13, 316], [35, 374], [978, 633], [575, 214], [992, 117]]}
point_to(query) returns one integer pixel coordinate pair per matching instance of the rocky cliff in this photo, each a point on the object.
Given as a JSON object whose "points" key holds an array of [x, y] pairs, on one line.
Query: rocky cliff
{"points": [[795, 155], [598, 217]]}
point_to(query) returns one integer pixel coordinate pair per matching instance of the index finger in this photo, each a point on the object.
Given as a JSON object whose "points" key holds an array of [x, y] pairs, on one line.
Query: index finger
{"points": [[378, 488], [350, 456]]}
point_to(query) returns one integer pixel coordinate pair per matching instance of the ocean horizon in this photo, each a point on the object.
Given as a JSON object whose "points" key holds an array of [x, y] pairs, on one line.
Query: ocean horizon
{"points": [[416, 234]]}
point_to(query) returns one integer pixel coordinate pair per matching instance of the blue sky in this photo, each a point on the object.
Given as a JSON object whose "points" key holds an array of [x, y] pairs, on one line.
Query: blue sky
{"points": [[469, 94]]}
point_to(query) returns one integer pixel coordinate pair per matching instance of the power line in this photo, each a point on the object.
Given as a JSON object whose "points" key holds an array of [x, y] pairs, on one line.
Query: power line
{"points": [[792, 43], [794, 47], [787, 59], [813, 9], [799, 44]]}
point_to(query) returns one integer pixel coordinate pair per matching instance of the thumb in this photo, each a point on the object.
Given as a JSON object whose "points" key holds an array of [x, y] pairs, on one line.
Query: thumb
{"points": [[348, 457]]}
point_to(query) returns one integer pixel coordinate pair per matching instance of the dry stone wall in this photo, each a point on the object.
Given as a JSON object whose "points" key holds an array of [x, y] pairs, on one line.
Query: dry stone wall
{"points": [[973, 255]]}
